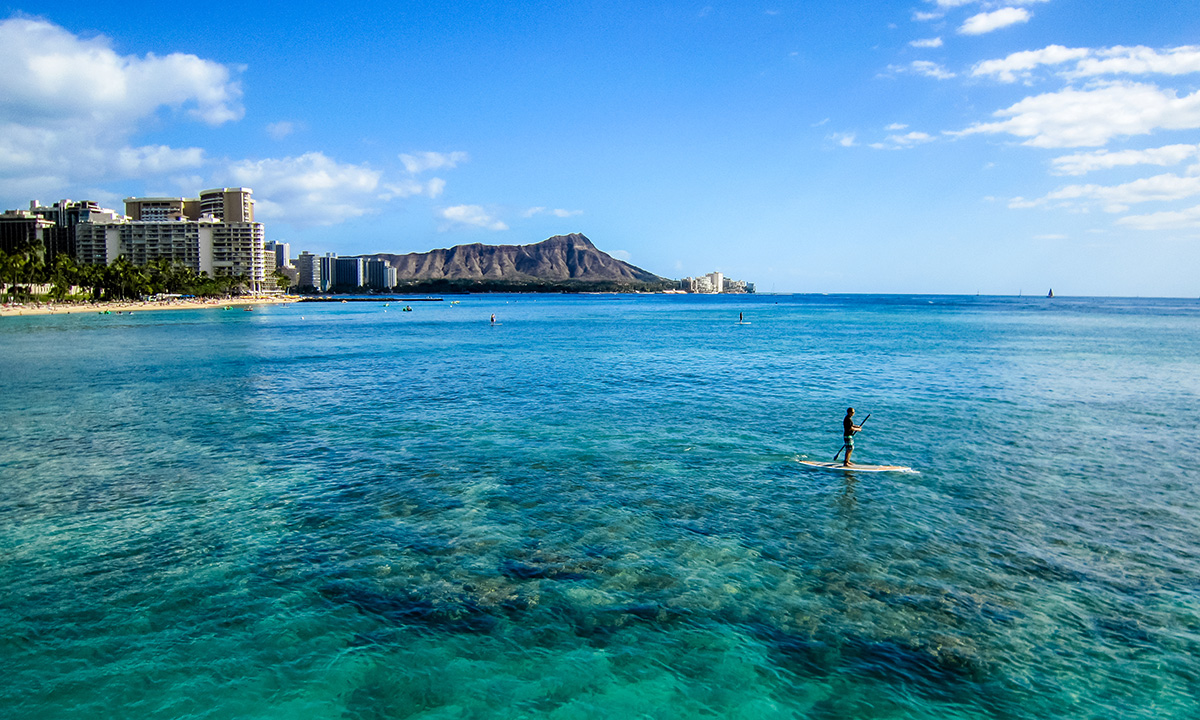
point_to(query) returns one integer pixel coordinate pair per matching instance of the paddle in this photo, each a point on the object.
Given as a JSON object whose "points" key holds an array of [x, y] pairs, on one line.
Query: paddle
{"points": [[864, 422]]}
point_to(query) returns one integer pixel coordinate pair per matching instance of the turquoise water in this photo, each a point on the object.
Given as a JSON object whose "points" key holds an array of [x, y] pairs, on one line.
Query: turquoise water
{"points": [[595, 510]]}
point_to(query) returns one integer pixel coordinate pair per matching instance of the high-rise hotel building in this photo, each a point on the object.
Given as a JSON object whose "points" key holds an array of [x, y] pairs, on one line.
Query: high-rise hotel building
{"points": [[214, 234]]}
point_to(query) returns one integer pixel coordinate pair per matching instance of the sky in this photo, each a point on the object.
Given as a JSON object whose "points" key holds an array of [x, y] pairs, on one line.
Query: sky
{"points": [[932, 146]]}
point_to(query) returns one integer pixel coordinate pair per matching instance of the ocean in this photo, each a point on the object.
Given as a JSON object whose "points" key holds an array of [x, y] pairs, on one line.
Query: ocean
{"points": [[595, 509]]}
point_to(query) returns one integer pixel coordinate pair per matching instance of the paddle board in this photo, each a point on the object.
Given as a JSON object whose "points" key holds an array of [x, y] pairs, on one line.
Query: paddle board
{"points": [[742, 323], [856, 467]]}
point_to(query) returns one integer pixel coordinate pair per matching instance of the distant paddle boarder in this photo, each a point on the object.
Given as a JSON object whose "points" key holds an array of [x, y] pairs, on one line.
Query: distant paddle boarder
{"points": [[849, 429], [493, 318]]}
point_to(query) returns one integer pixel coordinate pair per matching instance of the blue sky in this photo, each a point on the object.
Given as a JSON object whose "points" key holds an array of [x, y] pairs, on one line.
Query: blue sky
{"points": [[955, 146]]}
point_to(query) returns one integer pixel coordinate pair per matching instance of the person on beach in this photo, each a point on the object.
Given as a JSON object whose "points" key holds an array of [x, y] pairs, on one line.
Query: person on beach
{"points": [[848, 431]]}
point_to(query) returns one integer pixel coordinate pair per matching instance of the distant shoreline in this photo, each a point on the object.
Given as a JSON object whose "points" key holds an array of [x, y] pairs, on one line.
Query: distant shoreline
{"points": [[132, 306]]}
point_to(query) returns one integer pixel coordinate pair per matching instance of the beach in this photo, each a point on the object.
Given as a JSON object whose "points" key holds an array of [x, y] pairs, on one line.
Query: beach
{"points": [[130, 306]]}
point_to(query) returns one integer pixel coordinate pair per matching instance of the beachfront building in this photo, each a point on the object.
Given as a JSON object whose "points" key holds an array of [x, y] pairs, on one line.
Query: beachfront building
{"points": [[714, 282], [348, 273], [701, 285], [21, 229], [214, 234], [328, 271], [281, 252], [380, 275], [52, 228], [308, 268]]}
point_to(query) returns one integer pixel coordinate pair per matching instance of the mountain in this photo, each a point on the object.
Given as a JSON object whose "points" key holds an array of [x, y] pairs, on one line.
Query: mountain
{"points": [[560, 258]]}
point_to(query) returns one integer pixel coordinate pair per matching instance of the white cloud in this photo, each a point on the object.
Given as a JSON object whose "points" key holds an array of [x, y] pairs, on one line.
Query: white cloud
{"points": [[157, 160], [470, 215], [927, 43], [52, 75], [1187, 219], [1140, 60], [896, 126], [408, 187], [1083, 163], [926, 16], [621, 255], [1118, 198], [931, 69], [986, 22], [280, 130], [73, 103], [844, 139], [422, 161], [311, 189], [557, 212], [1019, 64], [1088, 62], [910, 139], [1093, 116], [900, 142]]}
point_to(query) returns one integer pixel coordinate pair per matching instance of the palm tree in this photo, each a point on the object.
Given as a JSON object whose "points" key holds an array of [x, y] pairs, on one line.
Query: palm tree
{"points": [[63, 275], [7, 265], [282, 281]]}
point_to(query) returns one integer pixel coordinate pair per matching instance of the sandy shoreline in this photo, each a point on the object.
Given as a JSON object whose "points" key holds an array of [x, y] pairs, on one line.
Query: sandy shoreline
{"points": [[136, 305]]}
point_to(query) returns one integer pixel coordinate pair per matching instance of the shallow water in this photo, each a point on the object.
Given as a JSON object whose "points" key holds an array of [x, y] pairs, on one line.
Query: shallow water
{"points": [[595, 510]]}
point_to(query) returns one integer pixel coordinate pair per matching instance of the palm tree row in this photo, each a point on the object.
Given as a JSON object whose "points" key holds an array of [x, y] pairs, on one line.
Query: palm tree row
{"points": [[121, 280]]}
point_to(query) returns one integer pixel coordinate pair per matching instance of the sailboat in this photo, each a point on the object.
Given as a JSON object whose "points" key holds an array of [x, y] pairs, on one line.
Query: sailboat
{"points": [[1051, 293]]}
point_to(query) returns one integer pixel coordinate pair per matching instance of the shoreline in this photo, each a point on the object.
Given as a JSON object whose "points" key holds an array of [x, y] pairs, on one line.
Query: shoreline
{"points": [[132, 306]]}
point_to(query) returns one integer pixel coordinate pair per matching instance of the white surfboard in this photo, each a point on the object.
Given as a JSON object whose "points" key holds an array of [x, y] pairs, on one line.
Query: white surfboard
{"points": [[855, 467]]}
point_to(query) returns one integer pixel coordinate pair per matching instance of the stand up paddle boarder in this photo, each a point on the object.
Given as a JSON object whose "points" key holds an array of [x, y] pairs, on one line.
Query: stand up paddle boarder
{"points": [[849, 429]]}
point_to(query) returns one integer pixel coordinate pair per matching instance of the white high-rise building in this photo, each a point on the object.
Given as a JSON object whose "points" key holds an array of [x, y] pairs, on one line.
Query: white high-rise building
{"points": [[282, 253], [215, 235], [718, 281]]}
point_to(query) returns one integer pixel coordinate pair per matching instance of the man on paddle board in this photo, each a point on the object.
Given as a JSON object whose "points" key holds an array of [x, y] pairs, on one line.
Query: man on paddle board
{"points": [[848, 431]]}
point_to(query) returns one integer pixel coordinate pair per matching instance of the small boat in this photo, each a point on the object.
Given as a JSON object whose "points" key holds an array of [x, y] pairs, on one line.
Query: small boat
{"points": [[1051, 293]]}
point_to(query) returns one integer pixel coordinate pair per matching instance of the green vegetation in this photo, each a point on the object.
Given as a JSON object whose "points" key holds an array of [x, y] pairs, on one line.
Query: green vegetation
{"points": [[122, 280]]}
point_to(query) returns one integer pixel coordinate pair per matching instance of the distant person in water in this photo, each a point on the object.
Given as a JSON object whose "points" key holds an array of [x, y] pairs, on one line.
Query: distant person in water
{"points": [[739, 318], [493, 318], [848, 431]]}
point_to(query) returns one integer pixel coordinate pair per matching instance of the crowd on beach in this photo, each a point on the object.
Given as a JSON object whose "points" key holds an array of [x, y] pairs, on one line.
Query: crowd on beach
{"points": [[130, 306]]}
